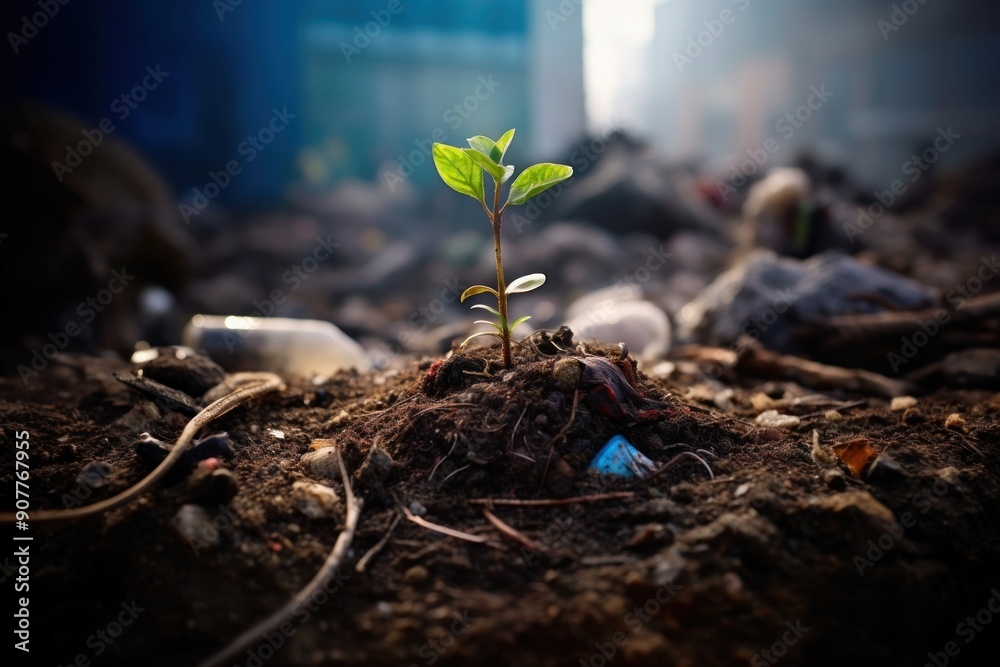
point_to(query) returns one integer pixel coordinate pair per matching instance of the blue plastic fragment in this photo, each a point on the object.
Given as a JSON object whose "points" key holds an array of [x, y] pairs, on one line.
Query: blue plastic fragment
{"points": [[619, 458]]}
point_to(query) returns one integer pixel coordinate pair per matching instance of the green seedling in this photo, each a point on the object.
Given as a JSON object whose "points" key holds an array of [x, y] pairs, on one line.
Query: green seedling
{"points": [[462, 170]]}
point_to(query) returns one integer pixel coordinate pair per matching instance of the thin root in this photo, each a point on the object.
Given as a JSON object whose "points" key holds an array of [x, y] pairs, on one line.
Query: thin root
{"points": [[321, 579], [264, 383], [677, 459]]}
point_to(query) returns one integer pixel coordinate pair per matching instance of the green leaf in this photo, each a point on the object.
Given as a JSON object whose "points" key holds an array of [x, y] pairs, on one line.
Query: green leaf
{"points": [[503, 142], [486, 146], [477, 289], [492, 310], [526, 283], [518, 321], [481, 333], [507, 171], [495, 325], [459, 171], [494, 170], [537, 179]]}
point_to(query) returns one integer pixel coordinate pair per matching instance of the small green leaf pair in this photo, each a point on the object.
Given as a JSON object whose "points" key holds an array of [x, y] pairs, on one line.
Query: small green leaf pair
{"points": [[462, 170], [503, 329]]}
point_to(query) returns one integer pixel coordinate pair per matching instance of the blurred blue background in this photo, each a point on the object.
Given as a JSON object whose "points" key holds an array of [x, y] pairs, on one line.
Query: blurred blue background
{"points": [[369, 81]]}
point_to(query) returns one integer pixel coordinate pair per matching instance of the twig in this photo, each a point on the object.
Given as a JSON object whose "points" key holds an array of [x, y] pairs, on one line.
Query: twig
{"points": [[551, 502], [561, 434], [266, 382], [514, 432], [444, 530], [384, 410], [677, 459], [321, 579], [371, 553], [454, 472], [436, 465], [512, 533]]}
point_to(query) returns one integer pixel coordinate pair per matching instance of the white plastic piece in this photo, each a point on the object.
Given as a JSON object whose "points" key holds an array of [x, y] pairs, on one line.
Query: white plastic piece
{"points": [[278, 344]]}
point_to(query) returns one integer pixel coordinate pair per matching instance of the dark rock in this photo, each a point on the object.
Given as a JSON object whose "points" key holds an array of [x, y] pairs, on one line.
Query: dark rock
{"points": [[194, 374], [791, 294], [885, 468], [834, 479], [164, 396], [218, 445], [210, 486], [94, 475], [152, 451]]}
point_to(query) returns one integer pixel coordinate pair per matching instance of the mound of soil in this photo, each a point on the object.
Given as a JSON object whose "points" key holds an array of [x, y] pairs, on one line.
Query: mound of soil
{"points": [[783, 555]]}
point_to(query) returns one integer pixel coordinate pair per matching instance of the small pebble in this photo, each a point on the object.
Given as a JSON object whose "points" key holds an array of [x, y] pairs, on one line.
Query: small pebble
{"points": [[900, 403], [776, 419], [277, 433], [316, 501], [416, 575], [833, 416], [950, 475], [377, 466], [194, 524], [192, 373], [95, 474], [724, 399], [322, 463], [417, 508], [566, 374], [955, 422], [834, 479], [741, 489]]}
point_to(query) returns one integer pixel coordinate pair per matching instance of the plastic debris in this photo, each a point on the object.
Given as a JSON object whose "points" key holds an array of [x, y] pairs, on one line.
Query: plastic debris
{"points": [[610, 394], [279, 344], [619, 458]]}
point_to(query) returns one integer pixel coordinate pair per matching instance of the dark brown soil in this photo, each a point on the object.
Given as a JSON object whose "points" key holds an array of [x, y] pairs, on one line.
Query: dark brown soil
{"points": [[778, 553]]}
